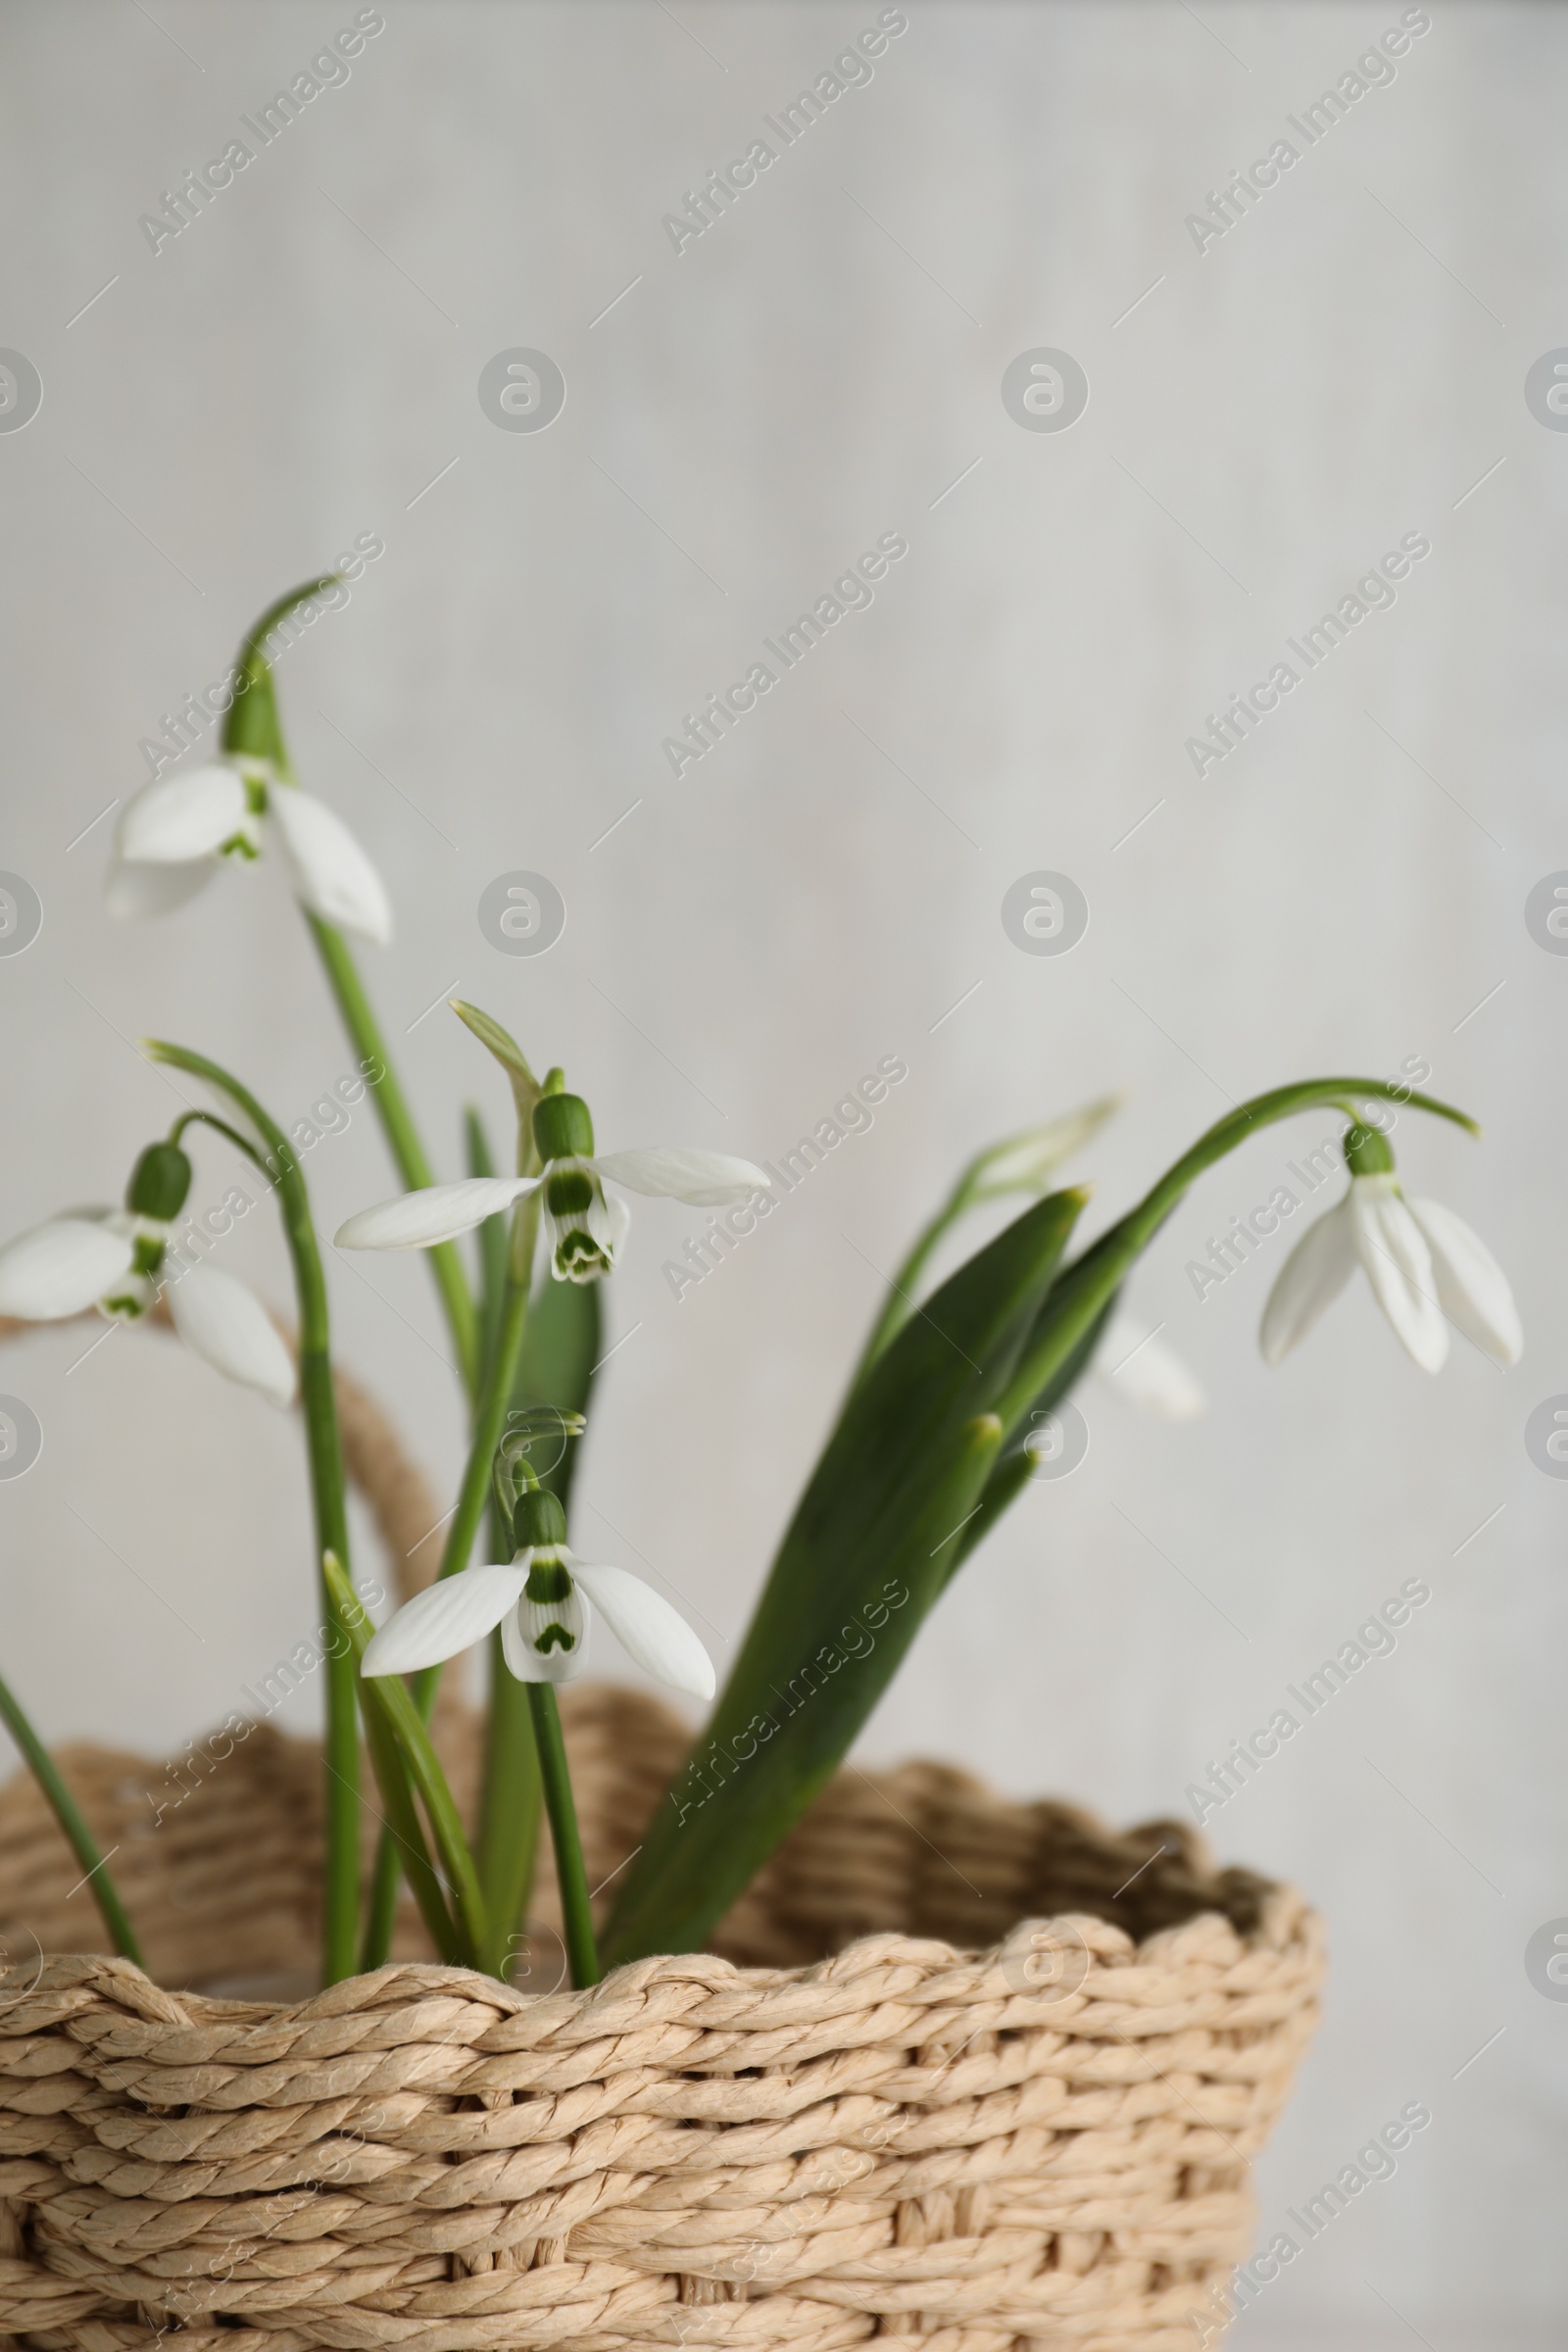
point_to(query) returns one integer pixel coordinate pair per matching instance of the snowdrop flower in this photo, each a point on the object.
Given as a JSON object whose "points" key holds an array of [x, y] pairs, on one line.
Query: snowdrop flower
{"points": [[1146, 1373], [543, 1603], [120, 1262], [586, 1227], [1426, 1268], [176, 833]]}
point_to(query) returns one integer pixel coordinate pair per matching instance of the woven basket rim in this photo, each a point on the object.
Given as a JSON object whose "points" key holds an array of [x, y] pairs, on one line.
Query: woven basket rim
{"points": [[1281, 1915]]}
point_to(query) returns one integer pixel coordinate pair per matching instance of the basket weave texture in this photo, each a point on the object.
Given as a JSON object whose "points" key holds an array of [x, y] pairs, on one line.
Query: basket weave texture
{"points": [[957, 2073], [1042, 2142]]}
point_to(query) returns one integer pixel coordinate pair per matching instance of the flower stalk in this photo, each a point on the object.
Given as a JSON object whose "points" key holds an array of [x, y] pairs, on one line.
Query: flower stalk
{"points": [[576, 1912], [254, 729], [489, 1421], [79, 1838], [341, 1754]]}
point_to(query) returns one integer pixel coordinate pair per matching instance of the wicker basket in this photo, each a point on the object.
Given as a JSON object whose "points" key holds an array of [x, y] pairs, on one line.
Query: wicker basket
{"points": [[979, 2075]]}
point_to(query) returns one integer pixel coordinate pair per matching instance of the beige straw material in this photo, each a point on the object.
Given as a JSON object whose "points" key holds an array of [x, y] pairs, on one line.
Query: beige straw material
{"points": [[958, 2074]]}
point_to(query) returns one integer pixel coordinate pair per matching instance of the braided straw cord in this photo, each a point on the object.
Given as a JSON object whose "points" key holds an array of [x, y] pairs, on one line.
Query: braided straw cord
{"points": [[960, 2074]]}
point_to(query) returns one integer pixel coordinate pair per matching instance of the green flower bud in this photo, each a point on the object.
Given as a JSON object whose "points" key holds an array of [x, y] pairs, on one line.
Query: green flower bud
{"points": [[1367, 1153], [538, 1524], [158, 1183], [562, 1127]]}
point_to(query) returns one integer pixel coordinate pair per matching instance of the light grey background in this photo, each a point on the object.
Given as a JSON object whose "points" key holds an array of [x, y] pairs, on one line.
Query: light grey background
{"points": [[1348, 890]]}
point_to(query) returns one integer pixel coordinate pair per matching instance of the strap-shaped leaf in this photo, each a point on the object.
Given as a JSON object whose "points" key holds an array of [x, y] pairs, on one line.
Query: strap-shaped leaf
{"points": [[863, 1558]]}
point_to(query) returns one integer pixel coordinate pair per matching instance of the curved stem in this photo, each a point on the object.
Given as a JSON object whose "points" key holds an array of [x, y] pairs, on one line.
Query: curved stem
{"points": [[1083, 1290], [79, 1836], [207, 1119], [254, 728], [340, 1897], [576, 1913]]}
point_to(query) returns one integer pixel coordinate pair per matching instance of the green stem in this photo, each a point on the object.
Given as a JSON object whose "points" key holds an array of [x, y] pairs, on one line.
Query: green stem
{"points": [[900, 1303], [489, 1422], [389, 1694], [1082, 1293], [340, 1896], [253, 729], [576, 1914], [403, 1138], [404, 1825], [509, 1813], [77, 1835]]}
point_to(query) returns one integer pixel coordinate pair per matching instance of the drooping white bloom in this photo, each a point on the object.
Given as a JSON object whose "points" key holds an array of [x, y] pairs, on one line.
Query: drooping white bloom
{"points": [[542, 1603], [122, 1261], [1144, 1372], [174, 834], [586, 1227], [1426, 1266]]}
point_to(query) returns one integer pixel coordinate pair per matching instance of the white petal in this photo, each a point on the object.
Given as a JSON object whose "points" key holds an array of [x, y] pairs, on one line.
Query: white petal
{"points": [[437, 1212], [1472, 1288], [450, 1615], [1024, 1163], [132, 891], [60, 1268], [1311, 1279], [331, 872], [527, 1621], [185, 815], [1399, 1266], [706, 1179], [228, 1328], [649, 1629], [1140, 1367]]}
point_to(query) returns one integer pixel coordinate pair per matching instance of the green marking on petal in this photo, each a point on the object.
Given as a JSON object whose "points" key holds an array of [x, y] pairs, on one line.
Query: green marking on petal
{"points": [[549, 1582], [569, 1191]]}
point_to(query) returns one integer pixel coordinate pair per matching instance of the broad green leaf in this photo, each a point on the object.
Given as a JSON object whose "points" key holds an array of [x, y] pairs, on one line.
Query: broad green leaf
{"points": [[863, 1558]]}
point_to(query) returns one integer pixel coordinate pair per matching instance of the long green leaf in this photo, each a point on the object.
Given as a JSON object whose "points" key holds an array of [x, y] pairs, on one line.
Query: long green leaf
{"points": [[863, 1558]]}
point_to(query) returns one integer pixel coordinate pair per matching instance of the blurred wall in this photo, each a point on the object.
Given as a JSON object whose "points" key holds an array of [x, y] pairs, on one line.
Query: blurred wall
{"points": [[1270, 409]]}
